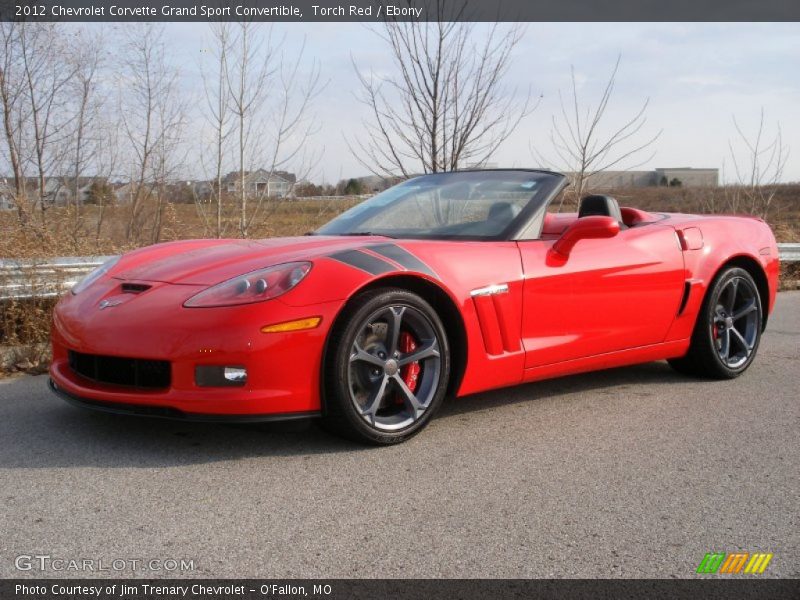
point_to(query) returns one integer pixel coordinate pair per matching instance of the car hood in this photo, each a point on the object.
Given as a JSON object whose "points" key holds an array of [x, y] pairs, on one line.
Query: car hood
{"points": [[207, 262]]}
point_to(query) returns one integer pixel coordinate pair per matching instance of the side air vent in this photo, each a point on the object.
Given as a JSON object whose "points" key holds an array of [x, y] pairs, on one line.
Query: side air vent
{"points": [[494, 316], [687, 288], [134, 288]]}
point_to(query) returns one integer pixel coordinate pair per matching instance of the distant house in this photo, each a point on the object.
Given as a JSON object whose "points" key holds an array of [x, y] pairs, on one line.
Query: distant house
{"points": [[372, 184], [58, 191], [7, 195], [273, 184], [84, 189], [201, 190], [125, 192]]}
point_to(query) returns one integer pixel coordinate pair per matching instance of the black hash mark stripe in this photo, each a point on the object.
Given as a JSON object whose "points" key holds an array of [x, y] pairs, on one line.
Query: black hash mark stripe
{"points": [[362, 260], [403, 257]]}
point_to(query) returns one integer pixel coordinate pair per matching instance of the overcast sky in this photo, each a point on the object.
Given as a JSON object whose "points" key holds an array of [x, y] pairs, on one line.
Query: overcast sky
{"points": [[697, 77]]}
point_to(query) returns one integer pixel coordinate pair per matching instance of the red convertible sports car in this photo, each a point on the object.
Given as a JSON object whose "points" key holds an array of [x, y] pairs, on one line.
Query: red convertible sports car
{"points": [[446, 284]]}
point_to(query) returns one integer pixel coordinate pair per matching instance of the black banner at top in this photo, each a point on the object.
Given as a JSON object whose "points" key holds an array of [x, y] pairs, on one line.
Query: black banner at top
{"points": [[401, 10]]}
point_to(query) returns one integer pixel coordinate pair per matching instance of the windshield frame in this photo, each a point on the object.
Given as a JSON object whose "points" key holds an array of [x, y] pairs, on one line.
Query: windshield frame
{"points": [[526, 225]]}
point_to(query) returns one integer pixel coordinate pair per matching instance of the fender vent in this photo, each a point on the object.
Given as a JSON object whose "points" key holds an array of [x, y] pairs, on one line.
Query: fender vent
{"points": [[687, 289]]}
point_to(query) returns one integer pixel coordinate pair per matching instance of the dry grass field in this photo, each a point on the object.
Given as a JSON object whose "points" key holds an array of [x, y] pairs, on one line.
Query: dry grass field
{"points": [[24, 325]]}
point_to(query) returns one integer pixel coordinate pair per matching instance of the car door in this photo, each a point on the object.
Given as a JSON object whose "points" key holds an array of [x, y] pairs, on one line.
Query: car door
{"points": [[608, 295]]}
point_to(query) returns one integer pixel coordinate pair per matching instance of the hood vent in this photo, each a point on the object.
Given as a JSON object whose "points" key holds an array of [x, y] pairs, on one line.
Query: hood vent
{"points": [[135, 288]]}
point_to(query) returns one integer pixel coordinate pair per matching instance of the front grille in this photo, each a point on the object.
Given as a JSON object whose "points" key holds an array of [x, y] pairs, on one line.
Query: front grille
{"points": [[132, 372]]}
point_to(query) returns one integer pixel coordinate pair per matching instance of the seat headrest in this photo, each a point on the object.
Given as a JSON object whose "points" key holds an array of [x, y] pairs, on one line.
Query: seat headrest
{"points": [[604, 206]]}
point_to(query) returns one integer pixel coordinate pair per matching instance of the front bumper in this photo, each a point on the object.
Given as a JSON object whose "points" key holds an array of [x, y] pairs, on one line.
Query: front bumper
{"points": [[283, 368]]}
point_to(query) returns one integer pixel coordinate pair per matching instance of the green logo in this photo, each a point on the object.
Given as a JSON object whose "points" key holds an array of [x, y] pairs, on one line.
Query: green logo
{"points": [[733, 562]]}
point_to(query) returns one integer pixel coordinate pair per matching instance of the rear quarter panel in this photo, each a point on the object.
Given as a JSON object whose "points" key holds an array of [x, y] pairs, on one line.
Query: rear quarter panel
{"points": [[724, 238]]}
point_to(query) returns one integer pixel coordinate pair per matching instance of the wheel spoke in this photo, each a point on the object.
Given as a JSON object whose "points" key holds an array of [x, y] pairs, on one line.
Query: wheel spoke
{"points": [[393, 323], [430, 349], [733, 287], [742, 342], [745, 310], [725, 347], [362, 355], [374, 400], [409, 399], [378, 357]]}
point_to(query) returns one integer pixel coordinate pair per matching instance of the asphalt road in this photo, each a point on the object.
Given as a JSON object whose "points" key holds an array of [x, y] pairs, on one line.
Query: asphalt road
{"points": [[626, 473]]}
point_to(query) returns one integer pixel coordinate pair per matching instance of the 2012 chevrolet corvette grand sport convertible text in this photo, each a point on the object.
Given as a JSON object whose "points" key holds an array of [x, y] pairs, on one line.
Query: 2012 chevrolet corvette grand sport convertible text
{"points": [[446, 284]]}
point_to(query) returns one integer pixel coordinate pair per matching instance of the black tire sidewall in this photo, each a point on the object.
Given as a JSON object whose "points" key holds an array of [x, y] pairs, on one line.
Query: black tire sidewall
{"points": [[339, 409], [706, 338]]}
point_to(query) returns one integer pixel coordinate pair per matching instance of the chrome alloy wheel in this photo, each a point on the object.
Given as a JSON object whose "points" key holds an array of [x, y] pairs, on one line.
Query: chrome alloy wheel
{"points": [[735, 322], [394, 367]]}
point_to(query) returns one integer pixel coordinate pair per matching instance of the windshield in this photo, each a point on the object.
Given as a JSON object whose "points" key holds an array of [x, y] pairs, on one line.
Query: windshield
{"points": [[464, 204]]}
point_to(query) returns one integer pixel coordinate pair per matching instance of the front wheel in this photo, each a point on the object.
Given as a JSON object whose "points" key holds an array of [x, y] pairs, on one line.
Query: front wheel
{"points": [[387, 367], [728, 329]]}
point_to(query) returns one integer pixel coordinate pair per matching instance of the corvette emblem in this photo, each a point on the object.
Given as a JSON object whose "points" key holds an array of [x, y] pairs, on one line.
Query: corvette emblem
{"points": [[109, 303]]}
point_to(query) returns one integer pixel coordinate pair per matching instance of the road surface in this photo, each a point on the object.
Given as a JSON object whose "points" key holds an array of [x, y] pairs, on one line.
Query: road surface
{"points": [[633, 472]]}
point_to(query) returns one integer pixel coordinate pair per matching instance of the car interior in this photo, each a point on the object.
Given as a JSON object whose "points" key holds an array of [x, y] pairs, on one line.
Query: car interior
{"points": [[604, 206], [597, 205]]}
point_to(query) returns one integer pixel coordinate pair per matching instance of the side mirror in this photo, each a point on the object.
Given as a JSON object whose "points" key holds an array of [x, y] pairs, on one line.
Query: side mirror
{"points": [[585, 228]]}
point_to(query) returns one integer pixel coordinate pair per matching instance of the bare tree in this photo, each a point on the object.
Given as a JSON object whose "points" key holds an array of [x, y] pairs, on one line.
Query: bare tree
{"points": [[86, 55], [46, 74], [445, 105], [152, 114], [584, 146], [108, 138], [218, 100], [758, 164], [289, 125], [11, 93], [270, 102], [250, 71], [167, 158]]}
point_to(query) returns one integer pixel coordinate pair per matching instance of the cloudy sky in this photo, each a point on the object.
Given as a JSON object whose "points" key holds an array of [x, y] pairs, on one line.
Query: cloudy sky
{"points": [[697, 76]]}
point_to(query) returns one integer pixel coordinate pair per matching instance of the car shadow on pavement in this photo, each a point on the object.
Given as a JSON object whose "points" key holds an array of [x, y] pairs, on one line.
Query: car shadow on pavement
{"points": [[38, 430], [605, 383]]}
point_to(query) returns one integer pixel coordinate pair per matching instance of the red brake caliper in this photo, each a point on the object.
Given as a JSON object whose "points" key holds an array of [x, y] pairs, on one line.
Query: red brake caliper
{"points": [[410, 372]]}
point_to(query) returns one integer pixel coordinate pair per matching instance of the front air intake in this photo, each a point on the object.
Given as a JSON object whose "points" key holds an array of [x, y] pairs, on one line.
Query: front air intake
{"points": [[130, 372]]}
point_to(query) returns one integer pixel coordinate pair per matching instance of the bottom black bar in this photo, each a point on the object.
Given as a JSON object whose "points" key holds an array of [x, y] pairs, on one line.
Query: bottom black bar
{"points": [[385, 589]]}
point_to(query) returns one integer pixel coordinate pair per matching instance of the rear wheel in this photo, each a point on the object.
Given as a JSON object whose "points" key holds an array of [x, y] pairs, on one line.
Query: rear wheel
{"points": [[387, 368], [728, 328]]}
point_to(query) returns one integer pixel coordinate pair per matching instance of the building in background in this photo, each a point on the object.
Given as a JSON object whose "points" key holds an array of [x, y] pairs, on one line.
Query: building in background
{"points": [[58, 191], [271, 184], [6, 195], [680, 176]]}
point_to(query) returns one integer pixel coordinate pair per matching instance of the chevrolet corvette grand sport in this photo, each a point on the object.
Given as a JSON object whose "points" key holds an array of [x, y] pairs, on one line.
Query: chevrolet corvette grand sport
{"points": [[446, 284]]}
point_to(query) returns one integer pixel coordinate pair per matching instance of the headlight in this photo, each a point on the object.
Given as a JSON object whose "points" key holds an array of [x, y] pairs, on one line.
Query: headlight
{"points": [[95, 275], [255, 286]]}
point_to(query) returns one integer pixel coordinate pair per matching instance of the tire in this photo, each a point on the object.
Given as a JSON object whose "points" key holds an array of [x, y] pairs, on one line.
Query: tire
{"points": [[373, 391], [728, 328]]}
